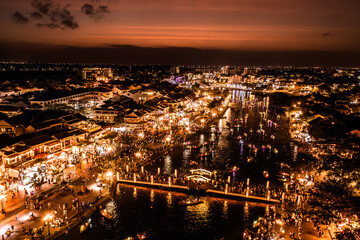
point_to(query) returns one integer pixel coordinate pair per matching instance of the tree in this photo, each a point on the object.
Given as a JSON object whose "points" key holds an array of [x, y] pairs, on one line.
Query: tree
{"points": [[336, 198], [333, 200]]}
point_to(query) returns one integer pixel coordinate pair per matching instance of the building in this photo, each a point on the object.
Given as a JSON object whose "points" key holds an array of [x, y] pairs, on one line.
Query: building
{"points": [[106, 113], [175, 70], [225, 70], [249, 71], [134, 117], [27, 149], [97, 74], [88, 94], [139, 97]]}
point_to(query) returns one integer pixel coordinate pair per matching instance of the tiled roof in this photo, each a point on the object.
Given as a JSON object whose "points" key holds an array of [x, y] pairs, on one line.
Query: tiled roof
{"points": [[38, 140]]}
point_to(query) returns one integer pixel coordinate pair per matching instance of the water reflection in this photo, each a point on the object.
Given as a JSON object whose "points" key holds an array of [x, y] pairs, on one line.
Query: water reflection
{"points": [[246, 212], [118, 190], [167, 164], [197, 216], [165, 219], [225, 208], [135, 193], [267, 210], [152, 195], [169, 199], [201, 139]]}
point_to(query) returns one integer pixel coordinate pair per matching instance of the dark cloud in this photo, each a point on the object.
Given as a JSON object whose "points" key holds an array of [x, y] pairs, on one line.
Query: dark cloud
{"points": [[20, 18], [43, 6], [49, 15], [87, 9], [326, 34], [95, 12], [49, 25], [36, 15], [70, 22], [104, 9], [63, 17]]}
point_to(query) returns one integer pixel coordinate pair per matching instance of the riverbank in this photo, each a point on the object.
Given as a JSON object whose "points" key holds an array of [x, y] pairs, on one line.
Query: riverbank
{"points": [[19, 205], [57, 212], [78, 219]]}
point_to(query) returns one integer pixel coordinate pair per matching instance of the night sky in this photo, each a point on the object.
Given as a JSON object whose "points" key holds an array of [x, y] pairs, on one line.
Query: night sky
{"points": [[277, 32]]}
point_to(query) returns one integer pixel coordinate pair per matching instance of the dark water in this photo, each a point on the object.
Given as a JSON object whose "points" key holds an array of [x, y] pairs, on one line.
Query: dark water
{"points": [[158, 212], [140, 209]]}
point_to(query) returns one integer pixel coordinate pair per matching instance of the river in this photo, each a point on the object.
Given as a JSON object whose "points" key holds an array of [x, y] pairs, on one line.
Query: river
{"points": [[249, 136]]}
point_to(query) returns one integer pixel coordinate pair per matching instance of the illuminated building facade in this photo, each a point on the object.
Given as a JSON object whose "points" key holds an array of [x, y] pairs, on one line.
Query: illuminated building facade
{"points": [[97, 74]]}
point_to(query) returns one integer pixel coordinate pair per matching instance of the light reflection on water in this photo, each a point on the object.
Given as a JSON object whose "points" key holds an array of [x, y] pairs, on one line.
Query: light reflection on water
{"points": [[198, 214], [201, 139], [186, 154], [246, 212], [159, 213], [225, 208], [169, 199], [152, 196], [167, 164], [135, 193]]}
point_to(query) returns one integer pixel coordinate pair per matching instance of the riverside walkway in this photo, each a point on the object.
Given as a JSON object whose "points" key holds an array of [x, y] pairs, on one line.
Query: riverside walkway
{"points": [[169, 186]]}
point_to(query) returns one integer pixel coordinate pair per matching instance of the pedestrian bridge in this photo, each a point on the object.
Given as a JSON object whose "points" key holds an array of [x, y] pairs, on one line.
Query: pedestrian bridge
{"points": [[169, 186]]}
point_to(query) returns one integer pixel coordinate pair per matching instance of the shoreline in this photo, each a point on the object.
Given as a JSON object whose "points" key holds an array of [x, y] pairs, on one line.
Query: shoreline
{"points": [[79, 218]]}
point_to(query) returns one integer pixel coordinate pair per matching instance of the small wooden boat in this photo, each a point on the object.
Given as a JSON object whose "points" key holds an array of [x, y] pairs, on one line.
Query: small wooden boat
{"points": [[284, 165], [106, 214], [190, 202], [233, 169], [84, 227], [129, 238], [143, 235]]}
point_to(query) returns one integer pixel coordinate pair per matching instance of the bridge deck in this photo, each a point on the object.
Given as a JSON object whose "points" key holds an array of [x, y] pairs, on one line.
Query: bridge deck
{"points": [[215, 193]]}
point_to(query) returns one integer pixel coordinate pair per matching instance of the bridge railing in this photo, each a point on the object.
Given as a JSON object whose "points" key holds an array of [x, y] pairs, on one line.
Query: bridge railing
{"points": [[243, 188]]}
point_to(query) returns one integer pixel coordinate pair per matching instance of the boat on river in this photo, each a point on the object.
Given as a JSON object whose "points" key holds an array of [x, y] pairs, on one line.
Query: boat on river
{"points": [[233, 169], [190, 202], [85, 226], [144, 235], [106, 214]]}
